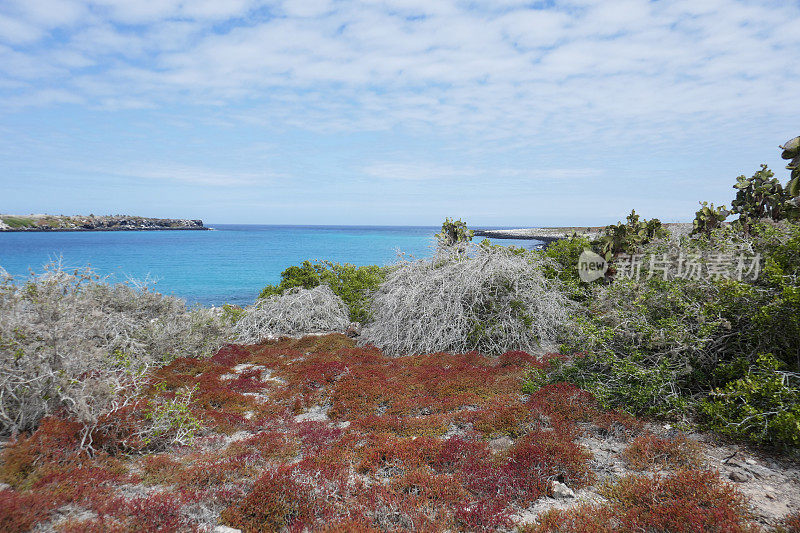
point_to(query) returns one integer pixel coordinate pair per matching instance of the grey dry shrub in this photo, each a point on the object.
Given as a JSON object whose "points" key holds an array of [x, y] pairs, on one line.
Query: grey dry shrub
{"points": [[468, 297], [296, 311], [68, 340]]}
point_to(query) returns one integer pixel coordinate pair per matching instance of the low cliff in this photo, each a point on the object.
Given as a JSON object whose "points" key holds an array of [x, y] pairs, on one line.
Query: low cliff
{"points": [[94, 223]]}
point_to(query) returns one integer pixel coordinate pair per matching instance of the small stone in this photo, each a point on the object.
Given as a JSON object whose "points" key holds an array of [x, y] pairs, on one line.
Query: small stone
{"points": [[734, 463], [4, 486], [610, 447], [759, 471], [561, 491], [226, 529], [769, 495], [500, 444], [739, 476], [750, 461], [318, 413]]}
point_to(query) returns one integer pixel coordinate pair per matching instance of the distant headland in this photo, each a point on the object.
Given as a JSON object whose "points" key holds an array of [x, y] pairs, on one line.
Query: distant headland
{"points": [[94, 223], [555, 233]]}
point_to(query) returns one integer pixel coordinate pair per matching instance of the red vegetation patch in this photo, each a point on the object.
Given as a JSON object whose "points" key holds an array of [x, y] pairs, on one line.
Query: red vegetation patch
{"points": [[159, 469], [648, 452], [403, 446], [157, 513], [21, 511], [501, 416], [54, 442], [789, 524], [277, 501], [546, 455], [686, 501]]}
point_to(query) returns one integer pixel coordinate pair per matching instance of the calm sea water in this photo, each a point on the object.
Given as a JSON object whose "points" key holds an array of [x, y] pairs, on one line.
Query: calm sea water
{"points": [[229, 265]]}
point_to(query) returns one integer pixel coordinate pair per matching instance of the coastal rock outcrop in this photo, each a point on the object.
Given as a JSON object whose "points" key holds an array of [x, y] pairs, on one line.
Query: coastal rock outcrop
{"points": [[94, 223]]}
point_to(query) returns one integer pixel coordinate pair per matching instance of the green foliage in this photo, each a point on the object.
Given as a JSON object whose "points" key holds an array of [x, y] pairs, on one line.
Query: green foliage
{"points": [[19, 222], [170, 420], [564, 254], [760, 196], [454, 232], [762, 404], [351, 283], [232, 313], [644, 345], [708, 218], [627, 238], [660, 347], [776, 313]]}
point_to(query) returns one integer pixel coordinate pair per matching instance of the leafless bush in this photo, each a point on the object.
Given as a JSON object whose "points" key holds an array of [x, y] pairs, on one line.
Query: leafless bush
{"points": [[294, 312], [467, 298], [69, 340]]}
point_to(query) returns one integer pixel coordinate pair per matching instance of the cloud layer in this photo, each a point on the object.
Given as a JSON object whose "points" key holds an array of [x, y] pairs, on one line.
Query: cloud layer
{"points": [[491, 79]]}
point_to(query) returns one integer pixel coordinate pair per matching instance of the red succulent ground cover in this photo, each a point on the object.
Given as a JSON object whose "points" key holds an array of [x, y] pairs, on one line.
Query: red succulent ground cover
{"points": [[404, 445]]}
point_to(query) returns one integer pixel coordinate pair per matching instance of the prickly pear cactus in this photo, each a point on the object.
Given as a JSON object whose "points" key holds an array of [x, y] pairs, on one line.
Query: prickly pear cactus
{"points": [[454, 232], [708, 217], [626, 238], [757, 197], [791, 150]]}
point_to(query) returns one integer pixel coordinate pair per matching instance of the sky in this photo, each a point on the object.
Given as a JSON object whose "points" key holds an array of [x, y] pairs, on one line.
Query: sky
{"points": [[402, 112]]}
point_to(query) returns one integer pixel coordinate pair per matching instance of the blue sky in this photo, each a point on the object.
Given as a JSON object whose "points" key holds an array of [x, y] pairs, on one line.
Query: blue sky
{"points": [[399, 112]]}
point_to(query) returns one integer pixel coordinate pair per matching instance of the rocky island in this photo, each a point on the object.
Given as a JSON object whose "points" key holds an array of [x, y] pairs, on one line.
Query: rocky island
{"points": [[94, 223]]}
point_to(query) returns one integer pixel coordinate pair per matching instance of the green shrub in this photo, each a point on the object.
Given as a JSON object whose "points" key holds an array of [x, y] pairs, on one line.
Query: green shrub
{"points": [[762, 404], [351, 283], [660, 347], [169, 421], [564, 255], [727, 349], [231, 314], [616, 382], [777, 320]]}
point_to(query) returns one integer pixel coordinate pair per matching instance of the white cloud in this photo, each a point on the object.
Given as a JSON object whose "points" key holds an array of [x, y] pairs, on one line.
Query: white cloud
{"points": [[187, 174], [631, 69], [48, 13], [306, 8], [15, 31], [416, 171]]}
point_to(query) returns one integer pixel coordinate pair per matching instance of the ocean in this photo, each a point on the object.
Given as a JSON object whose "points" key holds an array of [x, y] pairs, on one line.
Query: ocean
{"points": [[228, 265]]}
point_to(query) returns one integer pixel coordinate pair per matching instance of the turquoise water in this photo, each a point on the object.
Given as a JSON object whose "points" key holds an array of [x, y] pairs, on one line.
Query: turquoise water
{"points": [[229, 265]]}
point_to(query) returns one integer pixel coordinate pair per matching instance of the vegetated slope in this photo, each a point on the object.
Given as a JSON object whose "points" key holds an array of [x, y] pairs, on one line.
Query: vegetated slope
{"points": [[318, 434]]}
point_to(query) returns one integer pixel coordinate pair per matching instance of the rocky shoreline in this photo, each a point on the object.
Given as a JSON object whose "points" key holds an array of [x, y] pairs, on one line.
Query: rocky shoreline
{"points": [[548, 235], [538, 234], [19, 223]]}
